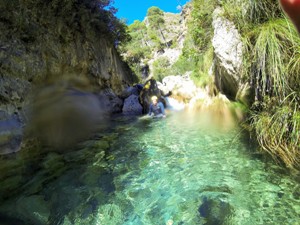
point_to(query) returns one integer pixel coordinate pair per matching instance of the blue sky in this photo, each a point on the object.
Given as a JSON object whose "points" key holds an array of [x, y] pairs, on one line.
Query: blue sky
{"points": [[137, 9]]}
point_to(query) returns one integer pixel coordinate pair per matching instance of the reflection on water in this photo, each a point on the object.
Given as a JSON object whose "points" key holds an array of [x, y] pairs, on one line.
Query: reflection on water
{"points": [[185, 169]]}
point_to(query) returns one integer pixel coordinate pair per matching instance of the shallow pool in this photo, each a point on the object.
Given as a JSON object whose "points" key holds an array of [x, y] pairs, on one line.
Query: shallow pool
{"points": [[185, 169]]}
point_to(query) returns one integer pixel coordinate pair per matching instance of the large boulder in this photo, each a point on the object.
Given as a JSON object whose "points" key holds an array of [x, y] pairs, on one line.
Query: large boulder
{"points": [[132, 106], [10, 133], [228, 55], [132, 90], [181, 87], [110, 102]]}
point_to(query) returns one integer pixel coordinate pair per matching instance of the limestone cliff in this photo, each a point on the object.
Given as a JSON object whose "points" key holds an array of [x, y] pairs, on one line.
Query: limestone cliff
{"points": [[41, 39]]}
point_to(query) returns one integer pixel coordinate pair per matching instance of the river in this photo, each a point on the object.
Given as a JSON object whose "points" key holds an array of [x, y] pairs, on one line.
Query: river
{"points": [[186, 169]]}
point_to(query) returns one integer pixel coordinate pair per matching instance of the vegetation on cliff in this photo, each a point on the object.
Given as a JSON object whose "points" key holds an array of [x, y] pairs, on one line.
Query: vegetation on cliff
{"points": [[271, 66]]}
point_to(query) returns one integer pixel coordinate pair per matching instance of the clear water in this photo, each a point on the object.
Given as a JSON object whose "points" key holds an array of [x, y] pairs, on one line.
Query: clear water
{"points": [[186, 169]]}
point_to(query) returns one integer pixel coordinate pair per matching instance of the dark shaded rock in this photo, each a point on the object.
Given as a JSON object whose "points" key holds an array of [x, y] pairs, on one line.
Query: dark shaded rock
{"points": [[8, 220], [145, 71], [110, 102], [150, 89], [10, 133], [130, 91], [215, 211], [132, 106]]}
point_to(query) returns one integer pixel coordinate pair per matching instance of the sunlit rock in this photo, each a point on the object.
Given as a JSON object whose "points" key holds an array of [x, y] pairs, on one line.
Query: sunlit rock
{"points": [[174, 104], [181, 87], [228, 53]]}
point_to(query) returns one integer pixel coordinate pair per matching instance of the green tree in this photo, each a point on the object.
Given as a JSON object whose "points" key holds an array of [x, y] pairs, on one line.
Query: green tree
{"points": [[156, 19], [137, 30]]}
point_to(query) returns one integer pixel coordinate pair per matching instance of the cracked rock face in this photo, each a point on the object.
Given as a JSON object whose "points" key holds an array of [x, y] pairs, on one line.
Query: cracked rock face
{"points": [[228, 55]]}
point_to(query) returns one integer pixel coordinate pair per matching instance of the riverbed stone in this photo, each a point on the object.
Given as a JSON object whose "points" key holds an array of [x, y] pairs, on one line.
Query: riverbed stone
{"points": [[9, 185], [215, 210], [53, 161], [34, 209]]}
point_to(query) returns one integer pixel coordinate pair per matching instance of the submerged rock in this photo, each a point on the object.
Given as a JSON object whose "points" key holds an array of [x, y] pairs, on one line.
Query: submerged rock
{"points": [[34, 209], [26, 210], [215, 210]]}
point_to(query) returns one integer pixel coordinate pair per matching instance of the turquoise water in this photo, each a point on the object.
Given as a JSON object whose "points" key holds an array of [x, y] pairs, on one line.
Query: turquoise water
{"points": [[186, 169]]}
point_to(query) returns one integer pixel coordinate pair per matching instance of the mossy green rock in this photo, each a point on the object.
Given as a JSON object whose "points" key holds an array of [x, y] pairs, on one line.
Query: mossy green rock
{"points": [[53, 161], [34, 209]]}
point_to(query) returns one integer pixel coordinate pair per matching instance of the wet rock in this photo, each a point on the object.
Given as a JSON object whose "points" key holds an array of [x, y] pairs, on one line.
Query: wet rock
{"points": [[33, 209], [132, 106], [11, 133], [101, 145], [79, 156], [110, 102], [52, 162], [150, 89], [135, 90], [10, 185], [215, 210]]}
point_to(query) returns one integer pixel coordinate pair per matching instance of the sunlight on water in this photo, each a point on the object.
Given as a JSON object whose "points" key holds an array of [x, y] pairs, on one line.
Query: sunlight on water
{"points": [[186, 169]]}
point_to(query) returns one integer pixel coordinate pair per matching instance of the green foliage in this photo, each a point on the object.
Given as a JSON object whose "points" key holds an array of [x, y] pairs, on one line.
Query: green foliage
{"points": [[200, 24], [270, 64], [34, 17], [182, 65], [246, 14], [278, 129], [155, 17], [271, 50], [156, 20], [161, 68]]}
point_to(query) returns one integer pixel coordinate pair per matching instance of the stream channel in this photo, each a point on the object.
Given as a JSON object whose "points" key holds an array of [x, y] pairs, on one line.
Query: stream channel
{"points": [[186, 169]]}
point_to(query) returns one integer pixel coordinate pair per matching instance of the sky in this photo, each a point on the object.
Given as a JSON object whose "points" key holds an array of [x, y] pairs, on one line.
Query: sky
{"points": [[137, 9]]}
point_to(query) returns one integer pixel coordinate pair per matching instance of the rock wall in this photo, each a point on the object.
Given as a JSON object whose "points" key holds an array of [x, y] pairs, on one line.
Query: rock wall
{"points": [[228, 60], [39, 41]]}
